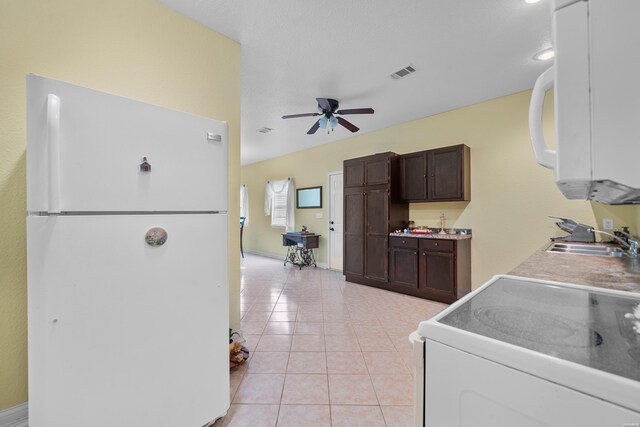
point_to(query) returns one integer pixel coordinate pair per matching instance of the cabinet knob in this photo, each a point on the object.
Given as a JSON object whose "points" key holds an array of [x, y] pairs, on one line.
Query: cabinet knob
{"points": [[432, 175], [435, 244], [415, 253], [404, 241]]}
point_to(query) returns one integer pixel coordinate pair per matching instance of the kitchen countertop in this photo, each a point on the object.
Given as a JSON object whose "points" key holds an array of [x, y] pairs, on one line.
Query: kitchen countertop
{"points": [[433, 236], [622, 274]]}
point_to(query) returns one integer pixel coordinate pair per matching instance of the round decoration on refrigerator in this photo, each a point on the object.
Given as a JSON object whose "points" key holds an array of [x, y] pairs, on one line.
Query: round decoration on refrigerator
{"points": [[156, 236]]}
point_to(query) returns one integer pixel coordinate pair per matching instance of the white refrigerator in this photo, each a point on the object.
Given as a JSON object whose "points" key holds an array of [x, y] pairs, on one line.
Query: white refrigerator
{"points": [[127, 261]]}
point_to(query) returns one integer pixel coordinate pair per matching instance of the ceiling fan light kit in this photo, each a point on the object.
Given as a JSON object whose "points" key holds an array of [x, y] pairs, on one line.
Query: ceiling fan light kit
{"points": [[328, 108]]}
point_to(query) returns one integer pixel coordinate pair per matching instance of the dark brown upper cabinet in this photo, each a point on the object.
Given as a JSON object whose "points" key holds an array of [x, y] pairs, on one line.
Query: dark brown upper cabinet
{"points": [[413, 178], [439, 175], [366, 171]]}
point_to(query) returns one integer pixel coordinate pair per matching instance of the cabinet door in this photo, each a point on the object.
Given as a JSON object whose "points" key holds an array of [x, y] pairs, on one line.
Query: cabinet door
{"points": [[376, 234], [445, 174], [413, 182], [354, 172], [353, 237], [404, 267], [377, 170], [437, 275]]}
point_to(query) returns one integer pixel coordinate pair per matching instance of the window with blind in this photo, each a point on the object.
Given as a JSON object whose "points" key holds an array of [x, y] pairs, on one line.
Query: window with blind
{"points": [[279, 209], [278, 203]]}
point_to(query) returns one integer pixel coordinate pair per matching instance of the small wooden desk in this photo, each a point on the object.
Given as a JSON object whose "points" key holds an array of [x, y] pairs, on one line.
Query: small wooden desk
{"points": [[300, 248]]}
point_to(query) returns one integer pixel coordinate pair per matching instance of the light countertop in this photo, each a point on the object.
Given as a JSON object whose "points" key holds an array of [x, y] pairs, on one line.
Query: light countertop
{"points": [[433, 236], [603, 272]]}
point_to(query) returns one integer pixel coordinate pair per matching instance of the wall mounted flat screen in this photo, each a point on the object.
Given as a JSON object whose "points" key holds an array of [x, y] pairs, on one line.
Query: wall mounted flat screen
{"points": [[310, 197]]}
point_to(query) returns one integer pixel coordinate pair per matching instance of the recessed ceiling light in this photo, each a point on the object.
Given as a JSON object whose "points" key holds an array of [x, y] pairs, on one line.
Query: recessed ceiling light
{"points": [[531, 1], [544, 55]]}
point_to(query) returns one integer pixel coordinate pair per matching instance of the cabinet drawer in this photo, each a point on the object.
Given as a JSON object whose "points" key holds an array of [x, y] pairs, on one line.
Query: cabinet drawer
{"points": [[403, 242], [437, 245]]}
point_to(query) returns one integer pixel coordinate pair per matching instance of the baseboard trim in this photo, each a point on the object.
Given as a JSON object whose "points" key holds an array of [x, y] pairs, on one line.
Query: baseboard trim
{"points": [[16, 416], [280, 257]]}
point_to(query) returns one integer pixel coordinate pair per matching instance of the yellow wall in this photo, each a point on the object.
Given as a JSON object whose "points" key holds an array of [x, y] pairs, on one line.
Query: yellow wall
{"points": [[511, 195], [137, 49]]}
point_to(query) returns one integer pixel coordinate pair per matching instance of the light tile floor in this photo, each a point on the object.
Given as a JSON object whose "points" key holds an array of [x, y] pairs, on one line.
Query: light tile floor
{"points": [[324, 352]]}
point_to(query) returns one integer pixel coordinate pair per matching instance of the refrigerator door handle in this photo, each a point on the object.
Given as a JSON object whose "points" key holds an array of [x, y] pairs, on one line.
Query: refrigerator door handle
{"points": [[53, 147]]}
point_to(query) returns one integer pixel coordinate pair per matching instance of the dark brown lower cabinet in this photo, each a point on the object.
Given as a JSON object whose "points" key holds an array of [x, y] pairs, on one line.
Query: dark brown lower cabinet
{"points": [[404, 267], [353, 231], [439, 270], [438, 275], [376, 234], [403, 262]]}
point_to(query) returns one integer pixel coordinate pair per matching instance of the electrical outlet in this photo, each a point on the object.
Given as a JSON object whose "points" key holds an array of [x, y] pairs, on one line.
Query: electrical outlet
{"points": [[319, 215], [607, 224]]}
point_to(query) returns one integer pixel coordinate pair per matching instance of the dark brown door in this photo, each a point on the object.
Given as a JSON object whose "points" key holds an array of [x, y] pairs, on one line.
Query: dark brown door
{"points": [[376, 234], [377, 170], [413, 182], [437, 275], [354, 173], [445, 173], [353, 231], [404, 267]]}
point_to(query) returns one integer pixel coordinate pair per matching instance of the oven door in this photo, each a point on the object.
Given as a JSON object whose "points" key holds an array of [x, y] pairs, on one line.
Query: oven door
{"points": [[469, 391]]}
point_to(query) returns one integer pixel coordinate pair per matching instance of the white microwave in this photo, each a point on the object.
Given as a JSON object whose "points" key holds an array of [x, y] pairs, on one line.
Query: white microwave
{"points": [[596, 82]]}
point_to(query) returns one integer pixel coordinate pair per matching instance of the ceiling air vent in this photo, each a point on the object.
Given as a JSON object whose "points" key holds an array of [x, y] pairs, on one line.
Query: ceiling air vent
{"points": [[403, 72], [265, 130]]}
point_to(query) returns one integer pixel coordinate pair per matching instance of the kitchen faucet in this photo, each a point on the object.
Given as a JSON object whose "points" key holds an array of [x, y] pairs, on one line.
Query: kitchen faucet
{"points": [[632, 245]]}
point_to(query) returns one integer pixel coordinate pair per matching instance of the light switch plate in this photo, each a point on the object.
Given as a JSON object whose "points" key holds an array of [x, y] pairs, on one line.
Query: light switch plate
{"points": [[319, 215], [607, 224]]}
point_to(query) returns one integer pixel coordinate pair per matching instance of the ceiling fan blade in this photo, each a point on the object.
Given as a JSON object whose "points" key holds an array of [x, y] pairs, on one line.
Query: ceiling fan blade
{"points": [[348, 125], [314, 128], [356, 111], [324, 104], [293, 116]]}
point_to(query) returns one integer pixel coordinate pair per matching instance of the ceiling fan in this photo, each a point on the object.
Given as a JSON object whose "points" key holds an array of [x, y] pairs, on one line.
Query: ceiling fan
{"points": [[328, 108]]}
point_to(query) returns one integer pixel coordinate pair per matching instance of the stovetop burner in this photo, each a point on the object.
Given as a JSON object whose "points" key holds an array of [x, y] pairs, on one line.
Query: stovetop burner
{"points": [[538, 327], [580, 325]]}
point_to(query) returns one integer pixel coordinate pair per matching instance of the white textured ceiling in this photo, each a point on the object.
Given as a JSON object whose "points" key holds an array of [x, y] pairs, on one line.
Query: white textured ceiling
{"points": [[465, 51]]}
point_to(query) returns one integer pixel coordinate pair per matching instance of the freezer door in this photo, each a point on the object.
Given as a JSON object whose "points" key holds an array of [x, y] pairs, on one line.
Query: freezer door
{"points": [[86, 152], [125, 334]]}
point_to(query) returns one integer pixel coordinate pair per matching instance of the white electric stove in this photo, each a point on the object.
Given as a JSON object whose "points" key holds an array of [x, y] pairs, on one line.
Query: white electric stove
{"points": [[530, 353]]}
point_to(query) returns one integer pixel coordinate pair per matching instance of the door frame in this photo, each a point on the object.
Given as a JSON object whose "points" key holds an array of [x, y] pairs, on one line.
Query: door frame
{"points": [[330, 206]]}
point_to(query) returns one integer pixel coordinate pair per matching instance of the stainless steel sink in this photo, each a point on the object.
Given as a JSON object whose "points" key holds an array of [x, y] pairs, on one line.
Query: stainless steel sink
{"points": [[586, 249]]}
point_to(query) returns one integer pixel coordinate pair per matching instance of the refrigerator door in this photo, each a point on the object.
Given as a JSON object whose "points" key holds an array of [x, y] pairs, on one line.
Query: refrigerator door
{"points": [[125, 334], [86, 152]]}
